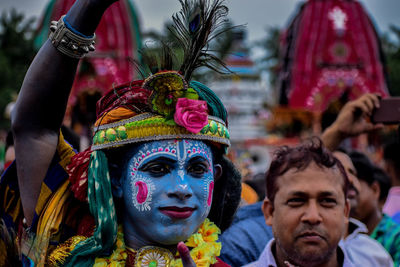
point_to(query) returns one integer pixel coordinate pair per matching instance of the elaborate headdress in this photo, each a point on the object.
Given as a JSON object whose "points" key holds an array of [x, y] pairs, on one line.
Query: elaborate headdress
{"points": [[165, 105]]}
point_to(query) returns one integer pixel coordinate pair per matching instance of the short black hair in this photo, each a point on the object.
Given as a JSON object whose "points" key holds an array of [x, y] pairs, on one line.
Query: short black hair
{"points": [[364, 167], [391, 154], [299, 158], [370, 173]]}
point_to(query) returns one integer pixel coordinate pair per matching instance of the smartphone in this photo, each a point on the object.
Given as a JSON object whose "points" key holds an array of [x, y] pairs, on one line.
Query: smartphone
{"points": [[388, 112]]}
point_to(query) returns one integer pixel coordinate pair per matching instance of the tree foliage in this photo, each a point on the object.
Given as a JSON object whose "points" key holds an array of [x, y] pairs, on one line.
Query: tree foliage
{"points": [[16, 52], [391, 48], [270, 46]]}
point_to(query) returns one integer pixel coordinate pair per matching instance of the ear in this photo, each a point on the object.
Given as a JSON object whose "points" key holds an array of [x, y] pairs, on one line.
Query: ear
{"points": [[376, 190], [347, 209], [268, 210], [217, 171]]}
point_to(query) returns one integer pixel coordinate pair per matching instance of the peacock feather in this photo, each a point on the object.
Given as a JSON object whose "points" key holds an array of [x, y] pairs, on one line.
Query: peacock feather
{"points": [[193, 28]]}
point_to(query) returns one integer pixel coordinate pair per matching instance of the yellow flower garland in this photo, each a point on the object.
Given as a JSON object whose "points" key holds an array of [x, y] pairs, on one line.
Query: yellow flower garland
{"points": [[205, 248]]}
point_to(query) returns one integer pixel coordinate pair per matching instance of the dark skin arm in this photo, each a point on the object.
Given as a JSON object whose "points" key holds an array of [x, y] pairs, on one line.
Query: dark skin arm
{"points": [[41, 105]]}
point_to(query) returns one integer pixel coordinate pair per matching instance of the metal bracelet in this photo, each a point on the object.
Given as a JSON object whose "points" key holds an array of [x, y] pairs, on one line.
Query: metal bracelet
{"points": [[68, 42]]}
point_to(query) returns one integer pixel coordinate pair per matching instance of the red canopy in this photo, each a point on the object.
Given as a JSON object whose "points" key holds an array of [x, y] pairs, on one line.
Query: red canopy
{"points": [[329, 49], [118, 40]]}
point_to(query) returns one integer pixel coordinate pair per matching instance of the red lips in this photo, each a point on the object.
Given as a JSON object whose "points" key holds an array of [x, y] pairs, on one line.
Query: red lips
{"points": [[177, 212]]}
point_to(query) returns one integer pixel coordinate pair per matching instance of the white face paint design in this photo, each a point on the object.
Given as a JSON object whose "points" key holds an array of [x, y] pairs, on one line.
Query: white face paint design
{"points": [[167, 189]]}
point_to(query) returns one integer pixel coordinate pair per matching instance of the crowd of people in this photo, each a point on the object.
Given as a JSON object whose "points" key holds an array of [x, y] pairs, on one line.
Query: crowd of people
{"points": [[156, 187]]}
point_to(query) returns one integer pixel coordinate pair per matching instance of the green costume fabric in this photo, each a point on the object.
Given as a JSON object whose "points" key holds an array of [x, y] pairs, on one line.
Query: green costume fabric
{"points": [[101, 206], [387, 232]]}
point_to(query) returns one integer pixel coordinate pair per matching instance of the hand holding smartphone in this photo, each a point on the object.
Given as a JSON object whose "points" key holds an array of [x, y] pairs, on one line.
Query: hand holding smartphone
{"points": [[388, 112]]}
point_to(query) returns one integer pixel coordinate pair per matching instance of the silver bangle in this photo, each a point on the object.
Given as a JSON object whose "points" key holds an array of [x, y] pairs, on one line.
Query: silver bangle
{"points": [[68, 42]]}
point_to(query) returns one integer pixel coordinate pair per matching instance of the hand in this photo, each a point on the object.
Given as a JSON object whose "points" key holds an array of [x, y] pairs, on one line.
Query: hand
{"points": [[352, 121], [184, 252]]}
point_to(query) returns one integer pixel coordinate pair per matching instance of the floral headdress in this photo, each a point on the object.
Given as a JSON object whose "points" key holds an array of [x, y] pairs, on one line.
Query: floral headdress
{"points": [[161, 107], [165, 105]]}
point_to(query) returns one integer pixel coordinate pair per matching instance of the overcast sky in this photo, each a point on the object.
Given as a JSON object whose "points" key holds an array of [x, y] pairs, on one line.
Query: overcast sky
{"points": [[257, 14]]}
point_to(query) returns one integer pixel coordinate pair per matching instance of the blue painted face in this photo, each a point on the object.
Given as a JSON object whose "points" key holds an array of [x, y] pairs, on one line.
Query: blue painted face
{"points": [[167, 191]]}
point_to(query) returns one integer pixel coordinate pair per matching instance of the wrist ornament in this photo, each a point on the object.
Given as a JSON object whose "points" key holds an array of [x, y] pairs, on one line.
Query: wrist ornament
{"points": [[70, 42]]}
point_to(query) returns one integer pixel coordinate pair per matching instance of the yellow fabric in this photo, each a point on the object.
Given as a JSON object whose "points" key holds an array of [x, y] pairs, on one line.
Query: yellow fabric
{"points": [[62, 251], [48, 224], [12, 203], [65, 152], [114, 115], [44, 195]]}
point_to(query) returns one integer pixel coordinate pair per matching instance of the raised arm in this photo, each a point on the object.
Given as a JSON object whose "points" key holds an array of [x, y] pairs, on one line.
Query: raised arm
{"points": [[351, 121], [41, 104]]}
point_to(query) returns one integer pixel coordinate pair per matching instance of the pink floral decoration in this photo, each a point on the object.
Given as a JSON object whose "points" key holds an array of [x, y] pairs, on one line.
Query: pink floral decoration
{"points": [[191, 114]]}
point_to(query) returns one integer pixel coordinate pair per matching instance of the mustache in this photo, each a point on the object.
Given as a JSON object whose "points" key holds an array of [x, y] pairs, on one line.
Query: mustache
{"points": [[305, 230]]}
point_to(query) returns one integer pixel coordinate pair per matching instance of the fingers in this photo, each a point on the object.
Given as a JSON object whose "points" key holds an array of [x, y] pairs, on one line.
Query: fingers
{"points": [[184, 252], [367, 103]]}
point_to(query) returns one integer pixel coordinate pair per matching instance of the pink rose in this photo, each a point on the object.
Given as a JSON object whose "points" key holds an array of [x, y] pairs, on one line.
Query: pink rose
{"points": [[191, 114]]}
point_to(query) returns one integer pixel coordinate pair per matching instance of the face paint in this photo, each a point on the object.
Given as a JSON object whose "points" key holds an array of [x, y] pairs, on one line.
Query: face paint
{"points": [[167, 190], [143, 189], [210, 193]]}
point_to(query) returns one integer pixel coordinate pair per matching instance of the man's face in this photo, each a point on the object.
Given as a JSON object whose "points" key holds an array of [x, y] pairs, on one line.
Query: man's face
{"points": [[368, 201], [354, 191], [167, 190], [309, 215]]}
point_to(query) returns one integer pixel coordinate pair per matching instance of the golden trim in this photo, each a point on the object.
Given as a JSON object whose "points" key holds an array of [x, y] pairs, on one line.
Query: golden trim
{"points": [[152, 127]]}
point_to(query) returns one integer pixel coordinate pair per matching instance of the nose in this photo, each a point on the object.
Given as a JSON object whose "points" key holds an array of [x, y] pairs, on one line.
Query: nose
{"points": [[311, 214], [180, 189]]}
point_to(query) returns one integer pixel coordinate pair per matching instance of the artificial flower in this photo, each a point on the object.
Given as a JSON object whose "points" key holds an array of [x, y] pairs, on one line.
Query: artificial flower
{"points": [[191, 114]]}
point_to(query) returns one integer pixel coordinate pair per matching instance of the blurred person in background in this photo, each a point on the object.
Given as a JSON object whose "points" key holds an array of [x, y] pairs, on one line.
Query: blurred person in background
{"points": [[391, 155], [361, 248], [374, 187]]}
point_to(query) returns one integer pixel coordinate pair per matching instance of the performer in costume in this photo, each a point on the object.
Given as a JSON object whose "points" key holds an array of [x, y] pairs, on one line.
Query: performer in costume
{"points": [[155, 175]]}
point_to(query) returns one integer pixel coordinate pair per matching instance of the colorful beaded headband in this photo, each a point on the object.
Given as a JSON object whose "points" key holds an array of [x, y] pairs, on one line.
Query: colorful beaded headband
{"points": [[174, 112], [150, 127]]}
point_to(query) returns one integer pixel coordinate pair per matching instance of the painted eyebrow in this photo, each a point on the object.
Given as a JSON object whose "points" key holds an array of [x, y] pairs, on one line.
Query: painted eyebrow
{"points": [[198, 158], [162, 159]]}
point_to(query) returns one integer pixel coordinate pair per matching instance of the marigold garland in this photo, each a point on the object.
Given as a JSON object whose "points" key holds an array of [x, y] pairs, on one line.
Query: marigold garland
{"points": [[205, 248]]}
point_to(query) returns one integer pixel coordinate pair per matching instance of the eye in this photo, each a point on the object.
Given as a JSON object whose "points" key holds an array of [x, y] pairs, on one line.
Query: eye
{"points": [[156, 169], [296, 202], [197, 169], [328, 202]]}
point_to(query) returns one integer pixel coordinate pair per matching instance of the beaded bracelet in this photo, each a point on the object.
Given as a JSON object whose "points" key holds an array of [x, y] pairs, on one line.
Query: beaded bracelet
{"points": [[68, 42]]}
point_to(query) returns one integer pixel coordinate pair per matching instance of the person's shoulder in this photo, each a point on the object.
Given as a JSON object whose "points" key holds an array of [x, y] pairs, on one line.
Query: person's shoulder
{"points": [[249, 211], [387, 227], [396, 217], [365, 251]]}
